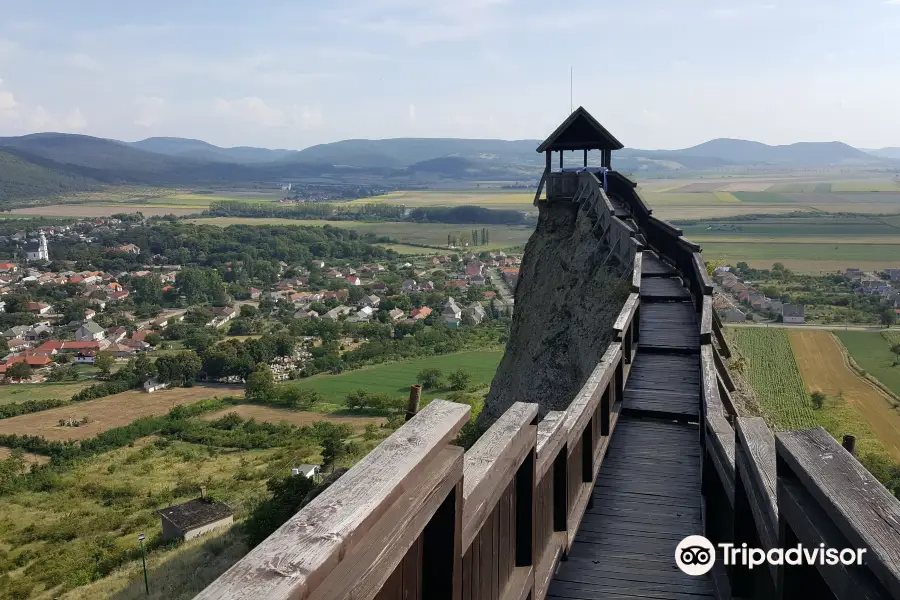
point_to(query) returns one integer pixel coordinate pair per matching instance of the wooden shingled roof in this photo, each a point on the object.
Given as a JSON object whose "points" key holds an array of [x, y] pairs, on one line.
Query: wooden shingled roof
{"points": [[580, 131]]}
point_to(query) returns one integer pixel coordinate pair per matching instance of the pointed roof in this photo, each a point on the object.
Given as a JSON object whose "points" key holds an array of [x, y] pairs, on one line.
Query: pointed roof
{"points": [[580, 131]]}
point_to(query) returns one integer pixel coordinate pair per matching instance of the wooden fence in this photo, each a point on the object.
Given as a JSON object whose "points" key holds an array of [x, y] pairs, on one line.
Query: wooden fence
{"points": [[775, 490], [418, 518]]}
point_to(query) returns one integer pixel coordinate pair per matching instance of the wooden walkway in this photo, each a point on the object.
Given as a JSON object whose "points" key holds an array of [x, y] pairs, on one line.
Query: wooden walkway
{"points": [[647, 495], [646, 499]]}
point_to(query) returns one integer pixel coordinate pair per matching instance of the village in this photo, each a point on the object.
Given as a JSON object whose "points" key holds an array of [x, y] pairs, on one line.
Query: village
{"points": [[103, 314], [743, 295]]}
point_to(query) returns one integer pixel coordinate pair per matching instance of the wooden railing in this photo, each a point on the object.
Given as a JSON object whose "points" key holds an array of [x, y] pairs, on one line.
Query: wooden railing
{"points": [[419, 519], [773, 491]]}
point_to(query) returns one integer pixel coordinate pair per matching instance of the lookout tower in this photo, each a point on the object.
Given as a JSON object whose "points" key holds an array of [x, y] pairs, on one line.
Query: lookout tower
{"points": [[580, 131]]}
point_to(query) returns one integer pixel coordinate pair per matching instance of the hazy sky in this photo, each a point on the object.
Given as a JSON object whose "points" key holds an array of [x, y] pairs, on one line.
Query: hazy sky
{"points": [[292, 73]]}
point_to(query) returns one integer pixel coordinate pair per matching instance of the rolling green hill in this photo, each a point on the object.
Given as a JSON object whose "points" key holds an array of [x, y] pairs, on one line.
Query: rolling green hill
{"points": [[21, 178]]}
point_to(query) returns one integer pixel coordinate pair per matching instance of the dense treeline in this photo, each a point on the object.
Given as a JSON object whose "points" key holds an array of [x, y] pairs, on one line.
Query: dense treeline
{"points": [[305, 210], [173, 242], [369, 212], [29, 406]]}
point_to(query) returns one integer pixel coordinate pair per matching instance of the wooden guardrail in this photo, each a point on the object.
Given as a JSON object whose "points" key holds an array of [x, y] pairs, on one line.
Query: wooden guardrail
{"points": [[773, 491], [419, 519]]}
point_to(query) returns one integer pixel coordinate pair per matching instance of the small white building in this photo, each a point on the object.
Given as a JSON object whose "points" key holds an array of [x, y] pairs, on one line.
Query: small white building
{"points": [[793, 313], [152, 385], [308, 471], [194, 518], [90, 332]]}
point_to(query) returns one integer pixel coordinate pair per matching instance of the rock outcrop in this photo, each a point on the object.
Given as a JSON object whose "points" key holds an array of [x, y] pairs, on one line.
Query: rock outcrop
{"points": [[569, 293]]}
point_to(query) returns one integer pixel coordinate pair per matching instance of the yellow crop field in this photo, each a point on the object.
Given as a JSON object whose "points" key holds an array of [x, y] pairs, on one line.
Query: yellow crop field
{"points": [[725, 197], [855, 405]]}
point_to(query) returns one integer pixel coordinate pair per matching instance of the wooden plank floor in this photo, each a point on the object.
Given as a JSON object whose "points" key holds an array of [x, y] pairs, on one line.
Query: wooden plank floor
{"points": [[652, 266], [664, 386], [646, 499], [663, 288], [669, 327]]}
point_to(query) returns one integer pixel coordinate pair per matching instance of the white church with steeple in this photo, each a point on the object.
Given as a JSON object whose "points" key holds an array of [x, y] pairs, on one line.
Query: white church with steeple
{"points": [[39, 252]]}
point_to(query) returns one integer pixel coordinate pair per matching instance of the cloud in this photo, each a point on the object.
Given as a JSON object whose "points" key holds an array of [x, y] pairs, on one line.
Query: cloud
{"points": [[891, 2], [150, 110], [412, 112], [8, 104], [75, 121], [307, 118], [82, 62], [252, 110]]}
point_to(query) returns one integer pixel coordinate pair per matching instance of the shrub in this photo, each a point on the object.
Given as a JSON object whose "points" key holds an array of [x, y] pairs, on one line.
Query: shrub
{"points": [[818, 399], [430, 378]]}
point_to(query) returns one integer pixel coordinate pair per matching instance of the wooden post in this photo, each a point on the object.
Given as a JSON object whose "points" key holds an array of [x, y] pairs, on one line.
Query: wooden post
{"points": [[547, 153], [415, 395], [849, 443], [560, 159], [585, 157]]}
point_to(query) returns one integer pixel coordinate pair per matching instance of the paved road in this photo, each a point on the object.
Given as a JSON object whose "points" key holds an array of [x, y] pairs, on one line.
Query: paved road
{"points": [[506, 294], [813, 326]]}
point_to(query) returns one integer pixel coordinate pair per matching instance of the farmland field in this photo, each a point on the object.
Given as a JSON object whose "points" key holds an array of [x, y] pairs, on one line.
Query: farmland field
{"points": [[862, 409], [294, 417], [22, 392], [435, 234], [106, 413], [872, 352], [772, 372], [802, 257], [503, 199], [395, 378]]}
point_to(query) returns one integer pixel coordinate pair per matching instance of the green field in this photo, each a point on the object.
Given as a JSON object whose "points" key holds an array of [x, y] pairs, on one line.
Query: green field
{"points": [[872, 352], [499, 199], [434, 234], [773, 373], [801, 257], [395, 378], [22, 392]]}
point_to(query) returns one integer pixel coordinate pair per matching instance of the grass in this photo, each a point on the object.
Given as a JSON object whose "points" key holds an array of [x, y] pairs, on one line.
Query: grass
{"points": [[855, 406], [106, 413], [487, 198], [774, 375], [802, 257], [271, 414], [872, 352], [22, 392], [395, 378], [866, 185], [434, 234]]}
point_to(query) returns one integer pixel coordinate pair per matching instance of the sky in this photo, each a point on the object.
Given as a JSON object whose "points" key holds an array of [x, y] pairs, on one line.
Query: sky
{"points": [[294, 73]]}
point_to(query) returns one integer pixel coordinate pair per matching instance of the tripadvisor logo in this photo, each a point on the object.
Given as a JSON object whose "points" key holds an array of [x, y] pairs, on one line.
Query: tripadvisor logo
{"points": [[695, 555]]}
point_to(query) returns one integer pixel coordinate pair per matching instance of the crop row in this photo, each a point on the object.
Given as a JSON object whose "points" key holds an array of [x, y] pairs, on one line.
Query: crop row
{"points": [[772, 372]]}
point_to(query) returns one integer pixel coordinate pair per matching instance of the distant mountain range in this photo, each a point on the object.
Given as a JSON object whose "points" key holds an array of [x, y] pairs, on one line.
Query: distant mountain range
{"points": [[50, 163]]}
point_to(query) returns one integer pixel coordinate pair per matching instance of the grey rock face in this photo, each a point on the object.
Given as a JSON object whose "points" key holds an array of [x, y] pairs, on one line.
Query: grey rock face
{"points": [[568, 297]]}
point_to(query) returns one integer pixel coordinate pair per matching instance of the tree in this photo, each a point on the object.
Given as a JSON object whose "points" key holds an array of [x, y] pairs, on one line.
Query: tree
{"points": [[818, 399], [153, 339], [896, 350], [104, 361], [260, 384], [430, 379], [459, 380], [298, 397], [888, 317], [333, 450], [19, 370], [144, 368]]}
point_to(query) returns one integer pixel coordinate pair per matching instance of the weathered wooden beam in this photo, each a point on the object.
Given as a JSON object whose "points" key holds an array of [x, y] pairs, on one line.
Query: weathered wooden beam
{"points": [[541, 184], [722, 370], [551, 438], [706, 281], [720, 446], [755, 462], [626, 315], [706, 325], [709, 387], [386, 544], [863, 510], [300, 554], [582, 407], [636, 272], [491, 463]]}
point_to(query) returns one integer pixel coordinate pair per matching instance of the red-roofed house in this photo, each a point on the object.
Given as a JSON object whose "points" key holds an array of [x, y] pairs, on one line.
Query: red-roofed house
{"points": [[37, 308], [8, 268], [420, 313], [353, 280]]}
